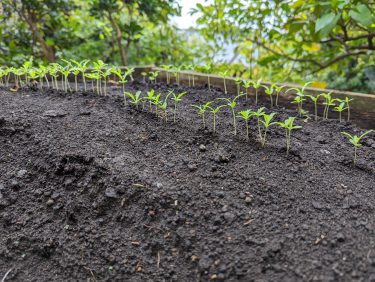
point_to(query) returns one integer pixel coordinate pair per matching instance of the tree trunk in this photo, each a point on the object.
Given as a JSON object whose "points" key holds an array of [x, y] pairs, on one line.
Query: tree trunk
{"points": [[48, 51], [118, 38]]}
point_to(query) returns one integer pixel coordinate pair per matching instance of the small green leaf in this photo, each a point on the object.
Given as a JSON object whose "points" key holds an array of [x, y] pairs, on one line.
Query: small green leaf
{"points": [[326, 23], [362, 15]]}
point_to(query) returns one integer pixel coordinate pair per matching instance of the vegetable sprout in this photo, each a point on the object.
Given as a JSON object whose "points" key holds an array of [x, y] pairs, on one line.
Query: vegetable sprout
{"points": [[288, 124], [355, 141], [215, 111], [176, 99], [257, 85], [232, 104], [246, 115], [202, 110], [223, 75], [267, 122], [135, 99]]}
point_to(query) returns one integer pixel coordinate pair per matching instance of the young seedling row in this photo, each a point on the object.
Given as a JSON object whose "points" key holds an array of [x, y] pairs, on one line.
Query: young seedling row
{"points": [[95, 77]]}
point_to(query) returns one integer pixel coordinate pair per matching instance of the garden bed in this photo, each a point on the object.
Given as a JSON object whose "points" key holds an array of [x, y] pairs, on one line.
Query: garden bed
{"points": [[94, 190]]}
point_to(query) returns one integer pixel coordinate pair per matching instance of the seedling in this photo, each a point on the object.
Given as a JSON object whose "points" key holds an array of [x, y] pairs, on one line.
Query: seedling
{"points": [[301, 94], [257, 85], [340, 108], [288, 124], [329, 101], [163, 106], [190, 76], [299, 100], [355, 141], [215, 111], [150, 97], [267, 122], [232, 104], [144, 74], [246, 85], [223, 75], [347, 101], [246, 115], [238, 81], [177, 71], [208, 68], [258, 114], [75, 72], [278, 90], [315, 100], [98, 69], [153, 76], [202, 110], [135, 99], [269, 92], [129, 72], [167, 69], [82, 67], [121, 78], [176, 99]]}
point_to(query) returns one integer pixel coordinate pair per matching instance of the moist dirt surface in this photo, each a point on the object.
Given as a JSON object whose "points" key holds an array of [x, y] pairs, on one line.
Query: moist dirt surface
{"points": [[93, 190]]}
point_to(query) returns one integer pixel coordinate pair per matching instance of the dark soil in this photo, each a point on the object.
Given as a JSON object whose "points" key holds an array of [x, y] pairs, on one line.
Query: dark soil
{"points": [[91, 190]]}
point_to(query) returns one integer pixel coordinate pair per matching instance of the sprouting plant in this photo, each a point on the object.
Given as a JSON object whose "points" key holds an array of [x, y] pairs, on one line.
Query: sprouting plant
{"points": [[214, 112], [167, 69], [156, 101], [329, 101], [315, 100], [347, 101], [129, 72], [355, 141], [340, 108], [202, 110], [98, 69], [232, 104], [144, 74], [257, 85], [208, 68], [163, 105], [238, 81], [223, 74], [288, 124], [269, 92], [82, 67], [75, 72], [150, 97], [277, 89], [190, 76], [176, 99], [106, 74], [267, 122], [246, 115], [299, 101], [121, 78], [153, 75], [258, 114], [176, 72], [301, 94], [135, 99], [246, 85]]}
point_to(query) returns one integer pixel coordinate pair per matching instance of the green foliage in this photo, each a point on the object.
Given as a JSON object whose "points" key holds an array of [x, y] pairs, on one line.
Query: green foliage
{"points": [[292, 40], [288, 124], [246, 115], [176, 99], [202, 110], [267, 122], [232, 104], [135, 99], [355, 141], [340, 108]]}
